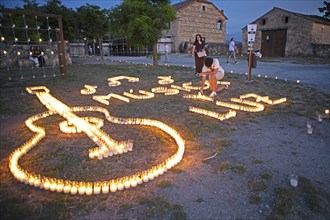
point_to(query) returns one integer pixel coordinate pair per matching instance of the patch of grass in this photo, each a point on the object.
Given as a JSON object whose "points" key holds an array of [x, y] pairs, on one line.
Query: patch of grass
{"points": [[199, 200], [223, 167], [176, 170], [164, 184], [257, 161], [316, 199], [239, 169], [266, 176], [255, 199], [159, 208], [284, 203], [223, 143], [258, 185]]}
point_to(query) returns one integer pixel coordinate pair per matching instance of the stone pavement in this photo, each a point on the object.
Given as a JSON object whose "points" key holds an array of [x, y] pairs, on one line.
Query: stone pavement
{"points": [[316, 75]]}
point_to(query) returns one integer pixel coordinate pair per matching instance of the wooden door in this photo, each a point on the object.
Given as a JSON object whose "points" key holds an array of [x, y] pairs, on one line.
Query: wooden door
{"points": [[273, 43]]}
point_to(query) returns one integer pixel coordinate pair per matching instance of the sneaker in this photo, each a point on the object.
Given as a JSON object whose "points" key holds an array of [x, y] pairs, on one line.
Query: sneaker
{"points": [[236, 62], [213, 94]]}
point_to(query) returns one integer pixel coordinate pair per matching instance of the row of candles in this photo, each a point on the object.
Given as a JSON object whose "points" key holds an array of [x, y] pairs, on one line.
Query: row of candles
{"points": [[104, 99], [213, 114], [90, 126], [114, 81], [88, 90]]}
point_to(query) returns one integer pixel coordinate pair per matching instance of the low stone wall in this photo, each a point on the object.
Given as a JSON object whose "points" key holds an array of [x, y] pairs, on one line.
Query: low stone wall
{"points": [[13, 59], [321, 50], [216, 48]]}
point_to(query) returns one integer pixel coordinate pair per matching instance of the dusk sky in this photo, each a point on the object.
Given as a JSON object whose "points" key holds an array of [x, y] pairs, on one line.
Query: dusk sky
{"points": [[239, 12]]}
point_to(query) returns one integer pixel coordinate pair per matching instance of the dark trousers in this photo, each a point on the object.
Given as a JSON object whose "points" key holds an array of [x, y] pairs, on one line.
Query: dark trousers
{"points": [[199, 63]]}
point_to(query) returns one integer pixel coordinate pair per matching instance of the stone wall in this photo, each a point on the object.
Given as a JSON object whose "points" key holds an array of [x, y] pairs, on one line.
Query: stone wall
{"points": [[192, 20], [301, 33], [11, 59]]}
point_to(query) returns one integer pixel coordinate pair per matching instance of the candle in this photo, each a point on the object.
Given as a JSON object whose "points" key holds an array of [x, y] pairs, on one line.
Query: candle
{"points": [[53, 185], [145, 177], [97, 188], [120, 185], [37, 181], [151, 175], [67, 187], [105, 187], [82, 188], [60, 185], [46, 184], [127, 183], [74, 188], [89, 189], [113, 186]]}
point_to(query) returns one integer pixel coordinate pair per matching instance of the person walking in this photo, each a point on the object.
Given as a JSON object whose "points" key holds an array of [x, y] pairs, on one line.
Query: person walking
{"points": [[198, 52], [232, 50]]}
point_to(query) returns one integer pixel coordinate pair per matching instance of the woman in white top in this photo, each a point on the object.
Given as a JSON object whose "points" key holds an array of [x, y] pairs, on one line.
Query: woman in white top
{"points": [[215, 72]]}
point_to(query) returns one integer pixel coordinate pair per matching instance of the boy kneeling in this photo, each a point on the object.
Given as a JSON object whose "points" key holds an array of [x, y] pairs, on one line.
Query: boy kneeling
{"points": [[215, 72]]}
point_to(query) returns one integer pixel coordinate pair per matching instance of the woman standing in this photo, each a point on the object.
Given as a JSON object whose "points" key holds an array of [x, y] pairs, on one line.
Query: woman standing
{"points": [[198, 47]]}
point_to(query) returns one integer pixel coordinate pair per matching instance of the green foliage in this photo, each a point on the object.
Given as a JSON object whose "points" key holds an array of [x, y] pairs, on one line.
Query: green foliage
{"points": [[141, 22], [325, 9], [92, 21]]}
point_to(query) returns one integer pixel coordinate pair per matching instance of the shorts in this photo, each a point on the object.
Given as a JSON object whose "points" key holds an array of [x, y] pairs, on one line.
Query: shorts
{"points": [[219, 75]]}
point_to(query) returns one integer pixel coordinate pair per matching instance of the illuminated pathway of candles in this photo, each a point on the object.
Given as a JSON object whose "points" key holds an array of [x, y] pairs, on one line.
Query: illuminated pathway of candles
{"points": [[106, 147]]}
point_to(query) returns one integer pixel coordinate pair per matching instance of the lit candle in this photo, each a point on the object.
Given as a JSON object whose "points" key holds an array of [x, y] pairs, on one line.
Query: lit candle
{"points": [[67, 187], [133, 182], [74, 188], [120, 185], [53, 185], [151, 175], [46, 184], [113, 186], [97, 188], [89, 189], [127, 183], [82, 188], [145, 177], [60, 185], [105, 187]]}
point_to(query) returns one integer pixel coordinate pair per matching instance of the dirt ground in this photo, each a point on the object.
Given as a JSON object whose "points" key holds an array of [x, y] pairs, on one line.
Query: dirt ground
{"points": [[239, 168]]}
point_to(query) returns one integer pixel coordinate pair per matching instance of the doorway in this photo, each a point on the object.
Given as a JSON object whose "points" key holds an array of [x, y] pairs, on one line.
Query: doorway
{"points": [[273, 43]]}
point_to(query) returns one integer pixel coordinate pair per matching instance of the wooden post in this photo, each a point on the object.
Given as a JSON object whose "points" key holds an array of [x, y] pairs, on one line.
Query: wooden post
{"points": [[61, 49], [250, 62]]}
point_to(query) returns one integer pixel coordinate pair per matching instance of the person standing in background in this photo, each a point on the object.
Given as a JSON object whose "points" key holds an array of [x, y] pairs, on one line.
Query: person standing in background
{"points": [[232, 50], [167, 51], [198, 46]]}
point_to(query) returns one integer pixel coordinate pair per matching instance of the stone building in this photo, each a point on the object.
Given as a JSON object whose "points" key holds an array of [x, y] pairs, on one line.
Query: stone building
{"points": [[195, 17], [283, 33]]}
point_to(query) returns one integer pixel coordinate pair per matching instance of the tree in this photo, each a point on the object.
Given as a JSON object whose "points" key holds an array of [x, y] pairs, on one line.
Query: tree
{"points": [[325, 9], [93, 23], [141, 22], [70, 26]]}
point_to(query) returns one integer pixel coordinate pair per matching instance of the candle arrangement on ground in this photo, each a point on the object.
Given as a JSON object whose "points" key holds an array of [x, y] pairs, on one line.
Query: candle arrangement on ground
{"points": [[106, 147]]}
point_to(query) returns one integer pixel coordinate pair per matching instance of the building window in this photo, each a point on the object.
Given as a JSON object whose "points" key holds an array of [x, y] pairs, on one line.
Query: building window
{"points": [[219, 25], [203, 8], [286, 20], [263, 22]]}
